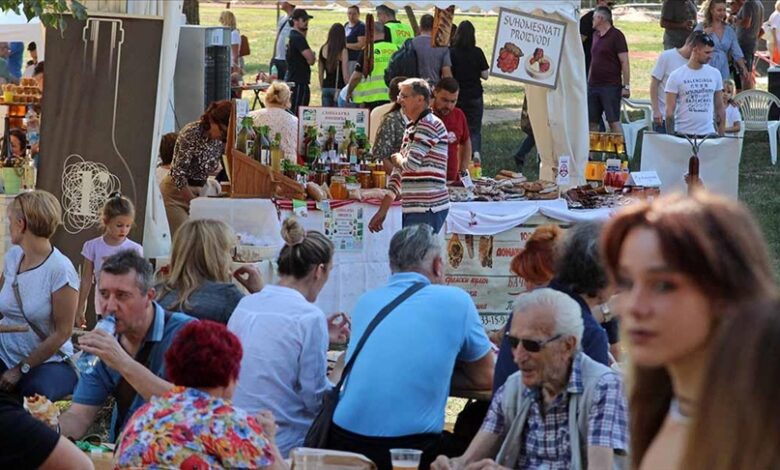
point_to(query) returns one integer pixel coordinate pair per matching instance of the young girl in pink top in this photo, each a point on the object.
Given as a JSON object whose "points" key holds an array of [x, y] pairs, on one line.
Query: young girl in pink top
{"points": [[117, 220]]}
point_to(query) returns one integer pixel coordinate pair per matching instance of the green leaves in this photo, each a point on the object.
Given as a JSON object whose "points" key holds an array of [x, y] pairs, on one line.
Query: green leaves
{"points": [[50, 12]]}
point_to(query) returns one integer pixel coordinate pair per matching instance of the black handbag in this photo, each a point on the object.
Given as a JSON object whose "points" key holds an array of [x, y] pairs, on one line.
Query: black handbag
{"points": [[317, 436]]}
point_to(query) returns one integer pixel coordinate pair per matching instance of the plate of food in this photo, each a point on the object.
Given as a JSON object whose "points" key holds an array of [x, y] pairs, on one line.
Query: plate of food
{"points": [[509, 57], [539, 65]]}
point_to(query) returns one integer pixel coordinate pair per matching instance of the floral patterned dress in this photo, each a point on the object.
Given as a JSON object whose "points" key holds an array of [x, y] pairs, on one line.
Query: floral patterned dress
{"points": [[192, 430]]}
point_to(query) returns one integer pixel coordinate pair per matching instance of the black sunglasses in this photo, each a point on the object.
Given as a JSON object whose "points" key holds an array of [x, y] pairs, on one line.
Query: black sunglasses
{"points": [[529, 345], [703, 38]]}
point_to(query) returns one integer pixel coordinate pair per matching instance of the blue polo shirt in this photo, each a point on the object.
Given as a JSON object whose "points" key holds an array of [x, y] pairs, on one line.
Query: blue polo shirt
{"points": [[401, 379], [95, 387]]}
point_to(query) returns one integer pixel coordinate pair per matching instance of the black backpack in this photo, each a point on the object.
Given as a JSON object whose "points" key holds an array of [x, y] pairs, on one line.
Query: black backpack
{"points": [[403, 63]]}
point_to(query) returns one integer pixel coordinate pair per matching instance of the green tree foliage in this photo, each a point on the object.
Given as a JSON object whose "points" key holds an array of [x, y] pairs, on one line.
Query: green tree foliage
{"points": [[50, 12]]}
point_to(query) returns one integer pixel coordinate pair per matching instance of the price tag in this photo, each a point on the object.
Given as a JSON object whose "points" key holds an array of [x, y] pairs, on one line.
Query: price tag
{"points": [[466, 180], [644, 178], [324, 206], [564, 171]]}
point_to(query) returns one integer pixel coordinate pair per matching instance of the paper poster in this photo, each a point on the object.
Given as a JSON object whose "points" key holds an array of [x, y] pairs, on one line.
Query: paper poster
{"points": [[528, 48], [344, 226], [480, 265], [323, 118]]}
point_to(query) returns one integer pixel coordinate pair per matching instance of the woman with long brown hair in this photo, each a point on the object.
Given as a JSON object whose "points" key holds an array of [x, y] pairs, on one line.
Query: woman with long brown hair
{"points": [[743, 369], [196, 156], [333, 64], [679, 264]]}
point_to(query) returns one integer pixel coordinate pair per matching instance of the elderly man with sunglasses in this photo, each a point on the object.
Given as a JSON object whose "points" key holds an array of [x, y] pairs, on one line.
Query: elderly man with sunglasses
{"points": [[562, 410]]}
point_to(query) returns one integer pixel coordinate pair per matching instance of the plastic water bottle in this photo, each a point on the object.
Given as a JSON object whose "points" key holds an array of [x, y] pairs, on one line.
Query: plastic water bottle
{"points": [[87, 362], [274, 73]]}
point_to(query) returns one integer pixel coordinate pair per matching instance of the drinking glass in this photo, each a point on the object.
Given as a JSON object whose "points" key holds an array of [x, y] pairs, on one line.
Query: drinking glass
{"points": [[404, 459], [308, 459]]}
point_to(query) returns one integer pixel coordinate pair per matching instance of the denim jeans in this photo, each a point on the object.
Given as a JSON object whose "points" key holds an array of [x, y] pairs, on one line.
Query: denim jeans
{"points": [[329, 97], [473, 108], [434, 219], [54, 380]]}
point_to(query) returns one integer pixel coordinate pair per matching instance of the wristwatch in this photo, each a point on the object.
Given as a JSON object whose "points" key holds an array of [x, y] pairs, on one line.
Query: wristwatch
{"points": [[24, 367], [627, 87]]}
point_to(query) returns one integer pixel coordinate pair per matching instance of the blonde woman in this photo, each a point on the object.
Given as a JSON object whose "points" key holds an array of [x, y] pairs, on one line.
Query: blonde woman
{"points": [[228, 20], [276, 116], [725, 38], [200, 279], [40, 288]]}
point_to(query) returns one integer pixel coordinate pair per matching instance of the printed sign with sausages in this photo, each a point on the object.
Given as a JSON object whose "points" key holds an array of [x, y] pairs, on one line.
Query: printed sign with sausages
{"points": [[528, 48], [480, 265]]}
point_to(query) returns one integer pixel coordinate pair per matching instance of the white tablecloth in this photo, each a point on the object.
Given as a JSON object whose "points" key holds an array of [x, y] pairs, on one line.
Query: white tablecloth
{"points": [[718, 162], [354, 272], [491, 218]]}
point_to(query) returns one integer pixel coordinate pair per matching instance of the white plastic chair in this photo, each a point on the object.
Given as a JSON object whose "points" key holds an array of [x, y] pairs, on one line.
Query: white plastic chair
{"points": [[754, 105], [631, 128]]}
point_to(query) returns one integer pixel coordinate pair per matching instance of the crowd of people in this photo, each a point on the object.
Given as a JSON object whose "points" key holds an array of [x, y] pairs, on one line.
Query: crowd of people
{"points": [[204, 373], [207, 366]]}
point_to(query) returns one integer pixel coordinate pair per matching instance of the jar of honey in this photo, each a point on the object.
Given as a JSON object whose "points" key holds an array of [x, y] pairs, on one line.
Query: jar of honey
{"points": [[338, 187], [365, 179], [380, 179]]}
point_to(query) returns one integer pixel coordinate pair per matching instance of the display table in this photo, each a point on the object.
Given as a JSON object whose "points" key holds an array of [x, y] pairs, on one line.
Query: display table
{"points": [[718, 162], [496, 232], [481, 240], [356, 269]]}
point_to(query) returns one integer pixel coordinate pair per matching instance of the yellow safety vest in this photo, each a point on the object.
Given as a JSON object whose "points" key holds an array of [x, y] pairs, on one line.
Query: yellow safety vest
{"points": [[399, 33], [373, 88]]}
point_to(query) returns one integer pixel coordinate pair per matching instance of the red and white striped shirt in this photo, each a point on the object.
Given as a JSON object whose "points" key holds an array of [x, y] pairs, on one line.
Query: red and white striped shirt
{"points": [[422, 181]]}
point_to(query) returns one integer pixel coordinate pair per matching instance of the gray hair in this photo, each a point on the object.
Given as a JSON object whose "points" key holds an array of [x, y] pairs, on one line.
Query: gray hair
{"points": [[605, 12], [579, 265], [568, 315], [412, 247], [419, 87], [129, 260]]}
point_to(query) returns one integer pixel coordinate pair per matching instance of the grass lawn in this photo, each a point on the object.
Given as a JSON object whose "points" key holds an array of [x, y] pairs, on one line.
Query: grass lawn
{"points": [[759, 182]]}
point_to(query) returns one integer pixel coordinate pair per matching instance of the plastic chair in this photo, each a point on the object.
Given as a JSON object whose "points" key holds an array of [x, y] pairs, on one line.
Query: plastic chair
{"points": [[631, 128], [754, 105]]}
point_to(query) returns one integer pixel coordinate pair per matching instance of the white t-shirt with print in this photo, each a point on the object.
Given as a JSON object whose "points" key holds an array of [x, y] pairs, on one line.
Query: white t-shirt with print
{"points": [[732, 116], [669, 61], [695, 90]]}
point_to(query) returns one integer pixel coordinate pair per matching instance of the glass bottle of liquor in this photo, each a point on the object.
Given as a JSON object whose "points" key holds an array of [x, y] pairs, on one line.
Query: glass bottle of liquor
{"points": [[276, 152], [331, 147], [246, 136]]}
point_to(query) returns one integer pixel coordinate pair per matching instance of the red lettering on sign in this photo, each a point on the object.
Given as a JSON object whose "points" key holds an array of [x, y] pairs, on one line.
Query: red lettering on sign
{"points": [[507, 252]]}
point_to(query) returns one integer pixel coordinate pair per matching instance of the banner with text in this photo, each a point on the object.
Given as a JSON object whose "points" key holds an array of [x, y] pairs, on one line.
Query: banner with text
{"points": [[480, 265], [527, 48], [323, 118]]}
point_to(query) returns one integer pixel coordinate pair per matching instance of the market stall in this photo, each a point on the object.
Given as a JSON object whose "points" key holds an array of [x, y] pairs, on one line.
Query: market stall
{"points": [[361, 258]]}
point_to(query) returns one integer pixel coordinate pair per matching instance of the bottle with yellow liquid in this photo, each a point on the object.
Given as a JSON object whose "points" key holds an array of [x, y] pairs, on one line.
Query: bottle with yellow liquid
{"points": [[475, 167]]}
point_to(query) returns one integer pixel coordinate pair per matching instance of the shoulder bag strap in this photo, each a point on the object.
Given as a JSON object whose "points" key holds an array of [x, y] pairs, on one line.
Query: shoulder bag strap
{"points": [[124, 393], [374, 323], [33, 326]]}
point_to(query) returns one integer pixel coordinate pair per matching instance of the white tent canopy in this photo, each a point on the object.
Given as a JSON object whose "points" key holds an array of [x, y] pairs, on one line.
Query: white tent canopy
{"points": [[561, 112], [15, 27]]}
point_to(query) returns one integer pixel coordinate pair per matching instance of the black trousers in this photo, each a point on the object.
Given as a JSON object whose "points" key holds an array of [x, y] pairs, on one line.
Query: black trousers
{"points": [[281, 68], [378, 448], [300, 97]]}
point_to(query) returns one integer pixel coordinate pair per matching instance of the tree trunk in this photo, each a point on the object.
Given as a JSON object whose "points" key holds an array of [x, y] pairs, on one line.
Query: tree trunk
{"points": [[191, 10]]}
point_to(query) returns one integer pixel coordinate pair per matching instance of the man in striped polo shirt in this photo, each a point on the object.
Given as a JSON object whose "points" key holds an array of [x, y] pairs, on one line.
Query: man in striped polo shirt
{"points": [[419, 174]]}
